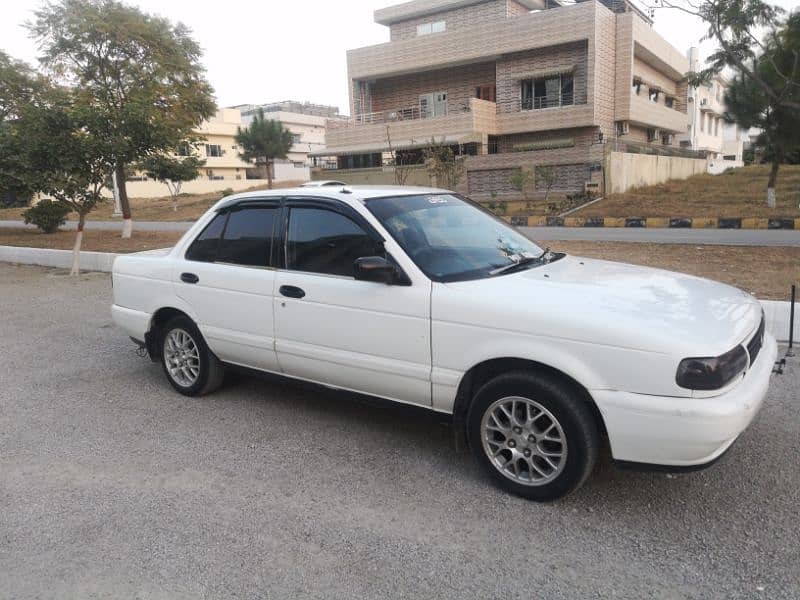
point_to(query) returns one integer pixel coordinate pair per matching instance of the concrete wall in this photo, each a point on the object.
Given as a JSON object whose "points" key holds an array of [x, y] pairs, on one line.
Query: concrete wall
{"points": [[154, 189], [625, 170], [377, 176]]}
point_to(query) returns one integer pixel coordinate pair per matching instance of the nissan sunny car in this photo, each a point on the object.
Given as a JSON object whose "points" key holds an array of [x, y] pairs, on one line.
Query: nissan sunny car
{"points": [[422, 297]]}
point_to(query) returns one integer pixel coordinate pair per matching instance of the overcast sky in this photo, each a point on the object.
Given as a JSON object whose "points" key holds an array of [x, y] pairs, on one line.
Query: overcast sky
{"points": [[259, 51]]}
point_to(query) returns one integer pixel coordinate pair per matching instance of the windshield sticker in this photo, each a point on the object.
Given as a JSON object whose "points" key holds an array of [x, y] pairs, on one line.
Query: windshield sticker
{"points": [[437, 199]]}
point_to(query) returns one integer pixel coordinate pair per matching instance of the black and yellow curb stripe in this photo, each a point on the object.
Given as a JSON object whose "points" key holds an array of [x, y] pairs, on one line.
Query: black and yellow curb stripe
{"points": [[662, 222]]}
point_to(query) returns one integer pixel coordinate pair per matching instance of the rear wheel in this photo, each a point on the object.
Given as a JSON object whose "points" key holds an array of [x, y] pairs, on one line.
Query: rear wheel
{"points": [[190, 367], [533, 434]]}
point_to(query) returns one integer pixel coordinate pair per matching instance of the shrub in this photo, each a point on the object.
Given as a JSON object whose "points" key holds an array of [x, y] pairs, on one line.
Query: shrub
{"points": [[227, 192], [47, 215], [13, 200]]}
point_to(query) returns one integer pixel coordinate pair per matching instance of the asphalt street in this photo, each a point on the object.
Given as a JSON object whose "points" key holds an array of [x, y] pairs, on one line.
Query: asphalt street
{"points": [[113, 485], [734, 237]]}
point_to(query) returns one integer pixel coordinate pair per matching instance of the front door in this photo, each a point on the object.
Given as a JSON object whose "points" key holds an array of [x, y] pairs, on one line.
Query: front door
{"points": [[226, 277], [330, 328]]}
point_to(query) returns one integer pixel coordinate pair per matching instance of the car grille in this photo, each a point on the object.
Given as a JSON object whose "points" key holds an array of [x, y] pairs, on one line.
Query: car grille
{"points": [[755, 343]]}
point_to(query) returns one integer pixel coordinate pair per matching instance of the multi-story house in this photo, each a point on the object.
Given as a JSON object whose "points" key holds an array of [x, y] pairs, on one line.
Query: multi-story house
{"points": [[512, 83], [705, 109], [307, 123], [219, 148]]}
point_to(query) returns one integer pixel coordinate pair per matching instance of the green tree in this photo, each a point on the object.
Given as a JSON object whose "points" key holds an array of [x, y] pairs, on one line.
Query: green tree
{"points": [[19, 87], [748, 106], [264, 141], [140, 73], [172, 171], [444, 167], [64, 158], [735, 26]]}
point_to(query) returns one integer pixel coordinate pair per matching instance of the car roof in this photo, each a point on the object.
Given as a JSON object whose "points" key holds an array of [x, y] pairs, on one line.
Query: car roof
{"points": [[348, 193]]}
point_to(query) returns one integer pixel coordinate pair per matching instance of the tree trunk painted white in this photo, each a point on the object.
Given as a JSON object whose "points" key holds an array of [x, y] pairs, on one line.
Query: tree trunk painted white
{"points": [[76, 249], [127, 227], [771, 197], [773, 178]]}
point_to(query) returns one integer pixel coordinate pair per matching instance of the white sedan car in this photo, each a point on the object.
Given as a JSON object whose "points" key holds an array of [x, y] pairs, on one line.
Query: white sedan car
{"points": [[420, 296]]}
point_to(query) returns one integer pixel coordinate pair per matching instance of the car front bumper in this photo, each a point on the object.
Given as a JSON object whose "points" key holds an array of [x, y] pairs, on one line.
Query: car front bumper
{"points": [[684, 432]]}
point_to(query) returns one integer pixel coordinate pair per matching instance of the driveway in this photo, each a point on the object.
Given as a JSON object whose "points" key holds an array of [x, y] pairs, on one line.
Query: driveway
{"points": [[112, 485]]}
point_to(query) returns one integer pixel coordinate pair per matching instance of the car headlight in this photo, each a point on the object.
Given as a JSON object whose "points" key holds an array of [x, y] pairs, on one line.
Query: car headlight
{"points": [[711, 373]]}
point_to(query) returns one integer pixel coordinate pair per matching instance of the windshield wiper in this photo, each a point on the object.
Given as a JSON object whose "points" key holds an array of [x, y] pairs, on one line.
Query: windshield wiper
{"points": [[523, 262]]}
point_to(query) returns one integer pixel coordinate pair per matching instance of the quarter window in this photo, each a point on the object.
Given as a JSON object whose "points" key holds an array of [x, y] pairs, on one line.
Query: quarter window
{"points": [[323, 241], [204, 247]]}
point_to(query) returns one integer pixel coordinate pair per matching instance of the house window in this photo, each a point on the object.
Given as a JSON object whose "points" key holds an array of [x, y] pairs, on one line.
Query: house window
{"points": [[702, 121], [637, 86], [184, 150], [653, 94], [433, 27], [214, 150], [669, 101], [487, 92], [296, 138], [548, 92], [716, 127], [651, 135]]}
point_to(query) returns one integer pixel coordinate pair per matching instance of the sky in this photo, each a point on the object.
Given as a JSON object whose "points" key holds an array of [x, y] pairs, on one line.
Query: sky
{"points": [[258, 51]]}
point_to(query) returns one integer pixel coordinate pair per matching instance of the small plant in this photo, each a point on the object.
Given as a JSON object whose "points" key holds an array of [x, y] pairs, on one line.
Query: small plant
{"points": [[227, 192], [521, 180], [545, 178], [47, 215]]}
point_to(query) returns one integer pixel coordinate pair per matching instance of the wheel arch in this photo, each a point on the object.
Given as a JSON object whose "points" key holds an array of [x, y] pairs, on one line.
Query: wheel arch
{"points": [[488, 369], [157, 322]]}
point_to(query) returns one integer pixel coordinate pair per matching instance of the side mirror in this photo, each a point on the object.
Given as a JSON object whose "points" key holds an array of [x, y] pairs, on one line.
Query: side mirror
{"points": [[374, 268]]}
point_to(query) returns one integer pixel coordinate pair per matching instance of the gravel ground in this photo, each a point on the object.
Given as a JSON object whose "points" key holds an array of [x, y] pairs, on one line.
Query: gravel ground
{"points": [[112, 485]]}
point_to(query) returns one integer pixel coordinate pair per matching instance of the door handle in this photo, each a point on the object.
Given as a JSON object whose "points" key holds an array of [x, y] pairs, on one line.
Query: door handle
{"points": [[291, 291], [189, 278]]}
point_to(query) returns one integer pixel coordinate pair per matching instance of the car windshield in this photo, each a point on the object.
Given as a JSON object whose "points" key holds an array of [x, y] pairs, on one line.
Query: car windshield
{"points": [[452, 239]]}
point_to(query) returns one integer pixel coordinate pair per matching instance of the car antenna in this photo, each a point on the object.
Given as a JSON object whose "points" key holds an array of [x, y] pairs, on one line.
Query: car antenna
{"points": [[344, 190]]}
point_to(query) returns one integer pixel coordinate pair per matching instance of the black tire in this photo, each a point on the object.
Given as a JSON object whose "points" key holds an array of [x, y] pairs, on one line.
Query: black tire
{"points": [[211, 371], [573, 415]]}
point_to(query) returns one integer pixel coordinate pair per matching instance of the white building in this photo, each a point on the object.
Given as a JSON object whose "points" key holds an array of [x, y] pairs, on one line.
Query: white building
{"points": [[706, 129], [307, 122]]}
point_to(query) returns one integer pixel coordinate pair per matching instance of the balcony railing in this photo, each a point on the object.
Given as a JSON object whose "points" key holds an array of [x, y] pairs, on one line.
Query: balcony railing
{"points": [[551, 101], [411, 113]]}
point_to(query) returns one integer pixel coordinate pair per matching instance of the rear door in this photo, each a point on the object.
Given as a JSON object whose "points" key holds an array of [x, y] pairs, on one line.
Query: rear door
{"points": [[227, 277], [331, 328]]}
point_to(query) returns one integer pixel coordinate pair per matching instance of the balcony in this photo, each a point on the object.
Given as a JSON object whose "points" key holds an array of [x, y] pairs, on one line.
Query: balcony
{"points": [[411, 127], [542, 113], [654, 114]]}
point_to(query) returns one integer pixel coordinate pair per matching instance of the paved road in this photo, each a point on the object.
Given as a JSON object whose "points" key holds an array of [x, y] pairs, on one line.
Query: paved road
{"points": [[117, 225], [112, 485], [738, 237], [725, 237]]}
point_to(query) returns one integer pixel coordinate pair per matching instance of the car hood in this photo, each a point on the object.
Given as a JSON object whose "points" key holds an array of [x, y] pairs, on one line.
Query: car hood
{"points": [[612, 303]]}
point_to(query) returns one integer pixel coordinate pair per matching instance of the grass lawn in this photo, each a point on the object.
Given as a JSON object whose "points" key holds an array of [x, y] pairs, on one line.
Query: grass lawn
{"points": [[155, 209], [765, 272], [95, 240], [737, 193]]}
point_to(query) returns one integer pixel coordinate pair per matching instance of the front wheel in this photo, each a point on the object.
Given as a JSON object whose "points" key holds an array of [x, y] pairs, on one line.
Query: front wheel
{"points": [[533, 434], [190, 367]]}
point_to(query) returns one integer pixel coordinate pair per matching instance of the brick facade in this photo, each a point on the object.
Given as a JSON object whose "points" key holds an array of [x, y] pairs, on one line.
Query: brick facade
{"points": [[513, 68], [495, 10], [404, 91]]}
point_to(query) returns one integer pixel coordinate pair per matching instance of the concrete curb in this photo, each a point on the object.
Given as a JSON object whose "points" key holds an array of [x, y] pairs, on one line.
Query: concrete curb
{"points": [[62, 259], [775, 311], [658, 222]]}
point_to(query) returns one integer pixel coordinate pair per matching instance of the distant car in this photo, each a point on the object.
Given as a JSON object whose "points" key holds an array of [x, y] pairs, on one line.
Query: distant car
{"points": [[422, 297], [323, 183]]}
